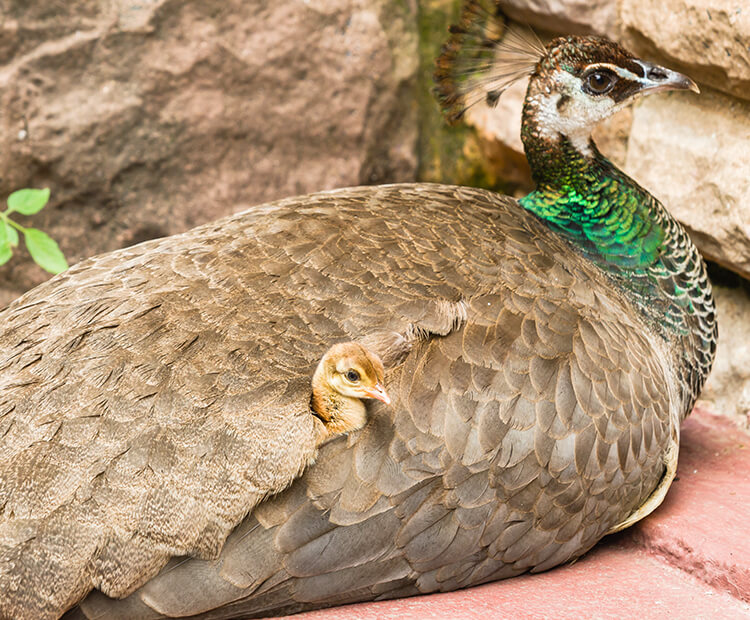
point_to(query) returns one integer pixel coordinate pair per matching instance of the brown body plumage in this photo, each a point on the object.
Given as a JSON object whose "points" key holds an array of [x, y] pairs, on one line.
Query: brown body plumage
{"points": [[276, 446], [441, 492], [146, 395]]}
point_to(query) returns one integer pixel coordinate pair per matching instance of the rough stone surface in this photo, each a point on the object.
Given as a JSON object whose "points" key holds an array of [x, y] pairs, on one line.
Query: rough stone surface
{"points": [[689, 559], [693, 152], [499, 131], [728, 386], [708, 38], [568, 16], [146, 118], [699, 527], [611, 136], [503, 121]]}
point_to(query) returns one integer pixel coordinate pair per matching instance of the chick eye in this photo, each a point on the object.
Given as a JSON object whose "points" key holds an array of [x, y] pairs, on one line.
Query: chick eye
{"points": [[599, 82], [352, 375]]}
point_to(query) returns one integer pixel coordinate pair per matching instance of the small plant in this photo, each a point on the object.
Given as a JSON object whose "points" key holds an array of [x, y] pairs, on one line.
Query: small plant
{"points": [[43, 248]]}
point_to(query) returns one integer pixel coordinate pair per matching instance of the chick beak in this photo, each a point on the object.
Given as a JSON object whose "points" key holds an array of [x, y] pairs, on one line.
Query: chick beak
{"points": [[660, 78], [379, 393]]}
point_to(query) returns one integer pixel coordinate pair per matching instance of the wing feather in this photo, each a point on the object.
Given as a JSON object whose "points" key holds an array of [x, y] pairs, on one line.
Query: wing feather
{"points": [[156, 394]]}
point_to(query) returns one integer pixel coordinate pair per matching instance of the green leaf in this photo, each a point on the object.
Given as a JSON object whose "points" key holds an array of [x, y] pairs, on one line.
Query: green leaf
{"points": [[12, 234], [45, 251], [28, 201], [3, 233], [5, 253]]}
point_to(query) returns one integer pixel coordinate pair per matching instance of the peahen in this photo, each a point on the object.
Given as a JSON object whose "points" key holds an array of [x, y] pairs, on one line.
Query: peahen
{"points": [[546, 351]]}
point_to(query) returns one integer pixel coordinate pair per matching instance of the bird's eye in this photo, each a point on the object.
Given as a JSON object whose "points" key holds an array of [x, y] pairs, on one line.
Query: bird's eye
{"points": [[352, 375], [599, 82]]}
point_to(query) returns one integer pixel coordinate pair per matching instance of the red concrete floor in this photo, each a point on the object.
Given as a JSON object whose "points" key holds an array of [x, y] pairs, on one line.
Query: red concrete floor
{"points": [[689, 559]]}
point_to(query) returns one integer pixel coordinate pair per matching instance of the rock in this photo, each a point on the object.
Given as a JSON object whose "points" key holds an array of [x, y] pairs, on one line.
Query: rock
{"points": [[566, 16], [499, 136], [709, 39], [148, 118], [727, 390], [611, 136], [697, 528], [503, 122], [693, 153]]}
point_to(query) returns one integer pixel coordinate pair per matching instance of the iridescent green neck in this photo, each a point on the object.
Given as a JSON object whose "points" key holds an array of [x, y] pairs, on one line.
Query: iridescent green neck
{"points": [[622, 228], [607, 214]]}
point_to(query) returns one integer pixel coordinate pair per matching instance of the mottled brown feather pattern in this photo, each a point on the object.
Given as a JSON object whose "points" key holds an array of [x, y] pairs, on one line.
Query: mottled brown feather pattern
{"points": [[154, 394]]}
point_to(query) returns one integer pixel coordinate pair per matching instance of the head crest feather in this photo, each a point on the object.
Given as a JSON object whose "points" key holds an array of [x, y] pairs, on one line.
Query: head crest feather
{"points": [[482, 58]]}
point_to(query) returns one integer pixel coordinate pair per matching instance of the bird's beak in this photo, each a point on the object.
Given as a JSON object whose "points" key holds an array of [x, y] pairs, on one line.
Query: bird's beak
{"points": [[660, 78], [379, 393]]}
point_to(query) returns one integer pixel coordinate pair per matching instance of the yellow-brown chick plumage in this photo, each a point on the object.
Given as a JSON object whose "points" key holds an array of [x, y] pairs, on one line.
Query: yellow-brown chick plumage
{"points": [[346, 374]]}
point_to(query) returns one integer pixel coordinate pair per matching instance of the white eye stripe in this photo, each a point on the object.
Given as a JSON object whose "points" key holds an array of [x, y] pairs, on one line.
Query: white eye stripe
{"points": [[626, 74]]}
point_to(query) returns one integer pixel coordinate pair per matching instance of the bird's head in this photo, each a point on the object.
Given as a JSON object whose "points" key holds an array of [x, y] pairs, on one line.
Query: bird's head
{"points": [[352, 370], [579, 81], [574, 81]]}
